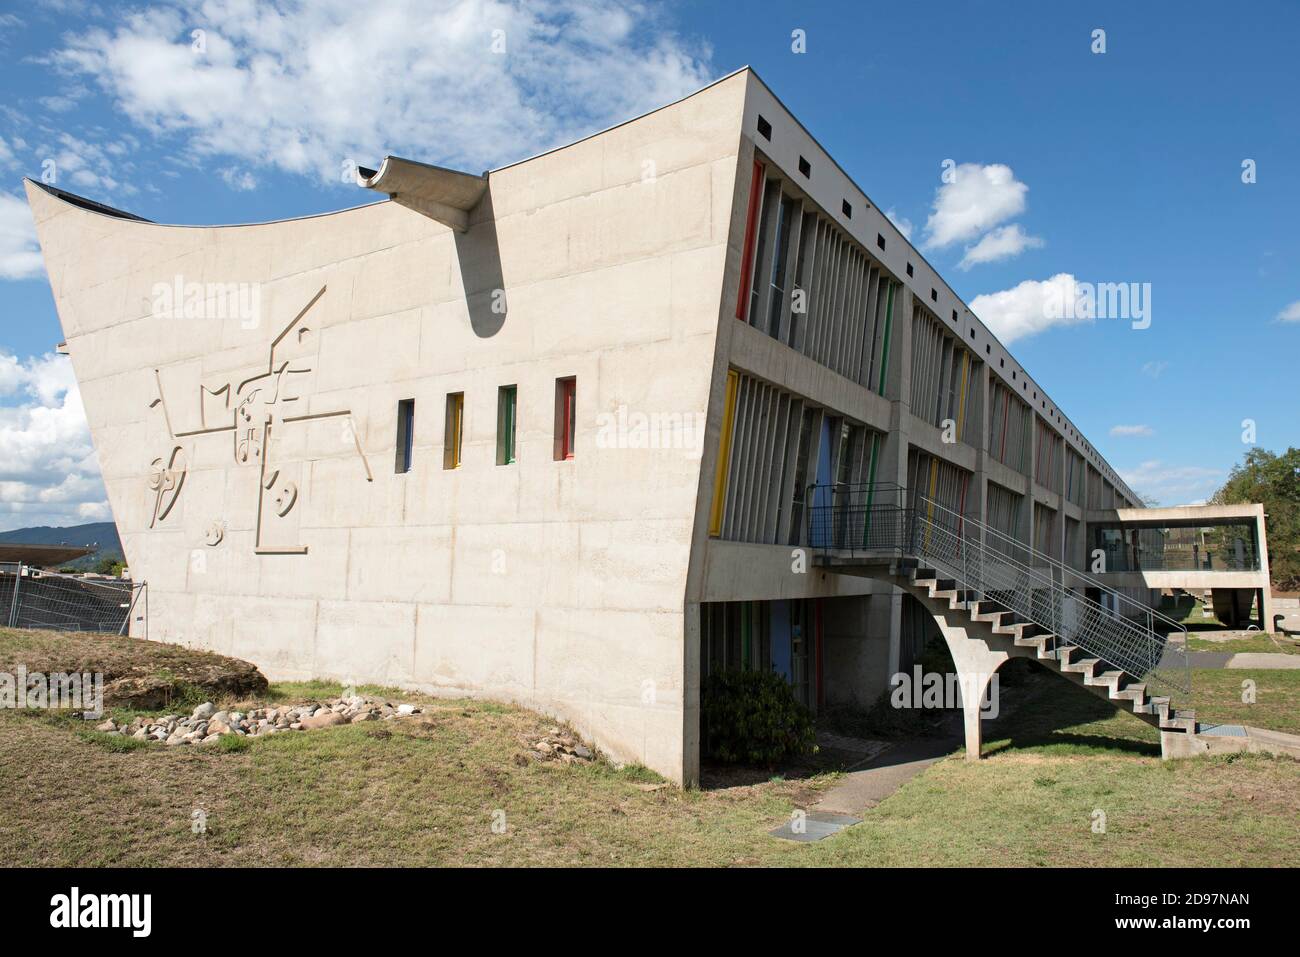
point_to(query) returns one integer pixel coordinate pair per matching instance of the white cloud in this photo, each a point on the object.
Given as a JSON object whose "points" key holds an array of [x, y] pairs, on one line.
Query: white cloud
{"points": [[1154, 368], [1032, 307], [20, 255], [977, 199], [1173, 484], [238, 179], [1131, 430], [1002, 243], [902, 222], [85, 164], [59, 103], [48, 471], [94, 512], [310, 87], [1291, 313]]}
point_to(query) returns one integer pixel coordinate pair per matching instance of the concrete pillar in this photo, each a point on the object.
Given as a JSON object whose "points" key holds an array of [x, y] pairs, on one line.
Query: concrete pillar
{"points": [[1266, 608], [976, 663], [1261, 552], [691, 696], [856, 633]]}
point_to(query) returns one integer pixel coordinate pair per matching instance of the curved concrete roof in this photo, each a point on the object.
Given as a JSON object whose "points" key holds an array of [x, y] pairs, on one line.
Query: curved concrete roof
{"points": [[100, 209]]}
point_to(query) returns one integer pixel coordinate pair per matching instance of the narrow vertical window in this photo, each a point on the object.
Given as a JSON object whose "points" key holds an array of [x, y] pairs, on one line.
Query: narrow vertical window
{"points": [[566, 417], [770, 210], [405, 434], [506, 402], [747, 254], [776, 295], [455, 430], [724, 453]]}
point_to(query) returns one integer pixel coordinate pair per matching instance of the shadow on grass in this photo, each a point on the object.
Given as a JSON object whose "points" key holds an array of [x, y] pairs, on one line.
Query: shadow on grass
{"points": [[1040, 711], [1046, 711], [715, 776]]}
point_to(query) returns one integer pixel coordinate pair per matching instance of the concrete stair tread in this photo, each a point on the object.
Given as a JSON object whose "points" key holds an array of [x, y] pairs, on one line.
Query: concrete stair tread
{"points": [[1010, 629], [1136, 691], [1083, 665], [1035, 640], [1105, 679]]}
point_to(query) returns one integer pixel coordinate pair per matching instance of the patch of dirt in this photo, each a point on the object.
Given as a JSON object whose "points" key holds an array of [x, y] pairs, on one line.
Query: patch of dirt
{"points": [[495, 781], [141, 674]]}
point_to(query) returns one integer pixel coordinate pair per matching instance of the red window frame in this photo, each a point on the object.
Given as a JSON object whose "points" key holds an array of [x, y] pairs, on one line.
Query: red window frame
{"points": [[751, 228], [566, 417]]}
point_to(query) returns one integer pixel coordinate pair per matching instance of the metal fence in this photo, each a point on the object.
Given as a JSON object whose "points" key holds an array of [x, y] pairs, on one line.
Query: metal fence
{"points": [[852, 520], [33, 598]]}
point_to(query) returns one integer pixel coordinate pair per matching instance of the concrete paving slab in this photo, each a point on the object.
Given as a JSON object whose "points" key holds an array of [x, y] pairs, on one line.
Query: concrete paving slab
{"points": [[1228, 730], [814, 826]]}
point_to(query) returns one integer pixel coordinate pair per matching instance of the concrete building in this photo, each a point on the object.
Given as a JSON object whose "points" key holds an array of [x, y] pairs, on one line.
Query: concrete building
{"points": [[547, 434], [1220, 549]]}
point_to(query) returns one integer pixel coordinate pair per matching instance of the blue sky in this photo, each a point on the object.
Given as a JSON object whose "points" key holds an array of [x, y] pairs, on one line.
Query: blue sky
{"points": [[1122, 166]]}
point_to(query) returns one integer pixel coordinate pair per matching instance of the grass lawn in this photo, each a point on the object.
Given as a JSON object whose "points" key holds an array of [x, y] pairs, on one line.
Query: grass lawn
{"points": [[424, 790], [1217, 693], [1190, 612]]}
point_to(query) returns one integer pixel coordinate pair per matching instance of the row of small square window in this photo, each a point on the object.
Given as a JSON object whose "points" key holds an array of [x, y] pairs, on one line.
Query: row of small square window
{"points": [[566, 394], [805, 170]]}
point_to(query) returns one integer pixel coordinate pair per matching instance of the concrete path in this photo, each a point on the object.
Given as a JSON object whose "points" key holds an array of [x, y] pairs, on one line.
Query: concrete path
{"points": [[885, 774], [1241, 659], [1261, 659], [1235, 739]]}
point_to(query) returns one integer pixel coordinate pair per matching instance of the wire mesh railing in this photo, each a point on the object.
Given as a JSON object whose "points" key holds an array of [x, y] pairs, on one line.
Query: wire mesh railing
{"points": [[880, 519], [33, 598]]}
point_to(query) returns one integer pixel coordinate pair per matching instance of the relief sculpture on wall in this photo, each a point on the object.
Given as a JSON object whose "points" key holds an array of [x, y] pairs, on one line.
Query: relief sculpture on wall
{"points": [[248, 412]]}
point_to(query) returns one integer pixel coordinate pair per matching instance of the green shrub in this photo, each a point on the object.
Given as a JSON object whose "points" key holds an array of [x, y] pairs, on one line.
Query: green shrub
{"points": [[752, 717]]}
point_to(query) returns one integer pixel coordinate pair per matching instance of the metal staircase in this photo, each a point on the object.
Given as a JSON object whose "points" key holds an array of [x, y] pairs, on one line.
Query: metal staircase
{"points": [[1007, 593]]}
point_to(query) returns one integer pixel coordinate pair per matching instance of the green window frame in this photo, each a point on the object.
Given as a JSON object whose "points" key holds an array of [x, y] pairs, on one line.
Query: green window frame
{"points": [[507, 427]]}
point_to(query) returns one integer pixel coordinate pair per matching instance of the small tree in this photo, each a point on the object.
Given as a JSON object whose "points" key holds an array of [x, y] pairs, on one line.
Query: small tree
{"points": [[1274, 481]]}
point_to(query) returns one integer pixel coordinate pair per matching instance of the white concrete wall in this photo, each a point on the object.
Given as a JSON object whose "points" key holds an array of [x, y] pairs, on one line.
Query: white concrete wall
{"points": [[560, 585]]}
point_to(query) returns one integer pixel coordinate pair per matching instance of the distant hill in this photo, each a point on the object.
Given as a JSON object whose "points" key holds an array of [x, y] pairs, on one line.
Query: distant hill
{"points": [[102, 534]]}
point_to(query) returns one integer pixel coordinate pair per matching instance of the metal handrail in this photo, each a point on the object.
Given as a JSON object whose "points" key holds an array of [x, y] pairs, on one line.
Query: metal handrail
{"points": [[1023, 588], [1056, 563], [1046, 560]]}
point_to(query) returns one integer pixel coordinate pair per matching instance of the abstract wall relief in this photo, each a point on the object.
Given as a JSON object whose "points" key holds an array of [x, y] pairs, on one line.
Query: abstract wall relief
{"points": [[247, 412], [165, 481]]}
